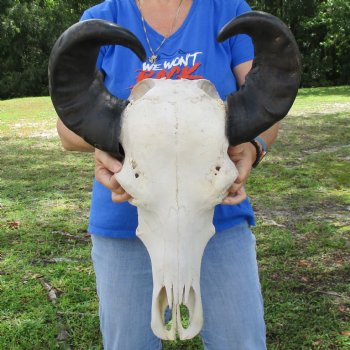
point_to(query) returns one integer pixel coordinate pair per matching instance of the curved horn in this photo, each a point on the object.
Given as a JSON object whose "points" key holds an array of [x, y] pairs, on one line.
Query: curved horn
{"points": [[76, 86], [272, 84]]}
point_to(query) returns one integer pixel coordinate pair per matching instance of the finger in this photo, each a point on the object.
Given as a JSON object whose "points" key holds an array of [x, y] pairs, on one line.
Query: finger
{"points": [[109, 162], [244, 168], [119, 190], [232, 200], [236, 198], [239, 180], [106, 178], [120, 197], [235, 187], [233, 151], [241, 176], [106, 167]]}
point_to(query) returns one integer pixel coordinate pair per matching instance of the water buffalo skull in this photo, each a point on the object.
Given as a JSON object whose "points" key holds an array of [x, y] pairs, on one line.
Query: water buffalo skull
{"points": [[176, 190], [175, 135]]}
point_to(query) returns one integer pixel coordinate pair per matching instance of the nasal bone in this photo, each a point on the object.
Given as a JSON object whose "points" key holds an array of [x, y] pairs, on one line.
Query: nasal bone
{"points": [[167, 297]]}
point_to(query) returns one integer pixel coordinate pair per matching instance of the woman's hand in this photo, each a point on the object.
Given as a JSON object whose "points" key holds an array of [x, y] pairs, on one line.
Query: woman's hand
{"points": [[243, 156], [105, 168]]}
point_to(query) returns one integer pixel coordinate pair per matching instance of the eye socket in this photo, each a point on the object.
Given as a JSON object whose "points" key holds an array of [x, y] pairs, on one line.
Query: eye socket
{"points": [[137, 175], [218, 168]]}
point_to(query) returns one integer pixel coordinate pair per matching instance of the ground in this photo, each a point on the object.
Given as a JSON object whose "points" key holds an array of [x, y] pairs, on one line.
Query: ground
{"points": [[300, 193]]}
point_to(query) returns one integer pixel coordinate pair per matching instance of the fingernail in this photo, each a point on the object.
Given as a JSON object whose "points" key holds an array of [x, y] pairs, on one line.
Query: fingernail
{"points": [[116, 168]]}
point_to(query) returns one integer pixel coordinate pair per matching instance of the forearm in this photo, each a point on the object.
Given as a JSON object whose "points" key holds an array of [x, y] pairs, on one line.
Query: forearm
{"points": [[70, 141], [270, 135]]}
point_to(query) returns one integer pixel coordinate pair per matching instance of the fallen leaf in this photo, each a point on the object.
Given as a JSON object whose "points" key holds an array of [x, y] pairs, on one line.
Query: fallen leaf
{"points": [[269, 222], [13, 224], [63, 335], [304, 263], [343, 308]]}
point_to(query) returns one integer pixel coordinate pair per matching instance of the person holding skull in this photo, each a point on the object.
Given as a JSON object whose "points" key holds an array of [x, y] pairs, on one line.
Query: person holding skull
{"points": [[179, 37]]}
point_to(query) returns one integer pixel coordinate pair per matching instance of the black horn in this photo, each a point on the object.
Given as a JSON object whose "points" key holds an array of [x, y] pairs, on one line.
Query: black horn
{"points": [[76, 87], [272, 84]]}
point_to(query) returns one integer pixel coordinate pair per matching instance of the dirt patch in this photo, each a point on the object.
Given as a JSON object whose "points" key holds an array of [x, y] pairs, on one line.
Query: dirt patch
{"points": [[321, 109], [44, 129]]}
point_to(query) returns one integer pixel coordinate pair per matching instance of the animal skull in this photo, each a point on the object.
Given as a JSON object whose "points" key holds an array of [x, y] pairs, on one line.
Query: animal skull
{"points": [[175, 135], [175, 190]]}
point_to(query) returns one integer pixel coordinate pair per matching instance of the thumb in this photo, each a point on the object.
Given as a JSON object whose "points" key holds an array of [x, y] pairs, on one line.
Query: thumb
{"points": [[243, 167], [106, 160]]}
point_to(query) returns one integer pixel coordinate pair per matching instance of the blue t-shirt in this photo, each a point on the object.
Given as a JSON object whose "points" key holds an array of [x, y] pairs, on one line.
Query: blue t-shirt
{"points": [[192, 52]]}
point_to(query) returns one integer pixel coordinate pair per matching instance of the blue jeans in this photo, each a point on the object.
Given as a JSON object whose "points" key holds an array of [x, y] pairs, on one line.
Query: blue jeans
{"points": [[231, 296]]}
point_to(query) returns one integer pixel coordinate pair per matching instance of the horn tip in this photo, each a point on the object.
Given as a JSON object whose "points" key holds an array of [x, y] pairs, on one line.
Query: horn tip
{"points": [[142, 55]]}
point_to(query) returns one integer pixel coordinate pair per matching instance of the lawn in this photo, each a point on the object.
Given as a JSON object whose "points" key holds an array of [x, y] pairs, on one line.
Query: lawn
{"points": [[301, 194]]}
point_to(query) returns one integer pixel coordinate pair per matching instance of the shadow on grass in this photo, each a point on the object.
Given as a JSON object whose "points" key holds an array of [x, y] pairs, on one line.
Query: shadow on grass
{"points": [[303, 263], [298, 299], [44, 192], [37, 171]]}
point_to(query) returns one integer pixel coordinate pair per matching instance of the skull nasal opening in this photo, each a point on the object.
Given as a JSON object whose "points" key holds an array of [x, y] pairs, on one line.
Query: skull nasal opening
{"points": [[175, 316], [184, 316]]}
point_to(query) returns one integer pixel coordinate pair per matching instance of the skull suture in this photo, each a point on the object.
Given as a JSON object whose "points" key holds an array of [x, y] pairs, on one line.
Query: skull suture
{"points": [[175, 138], [177, 169]]}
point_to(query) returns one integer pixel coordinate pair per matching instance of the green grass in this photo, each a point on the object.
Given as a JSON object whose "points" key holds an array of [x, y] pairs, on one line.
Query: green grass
{"points": [[300, 192]]}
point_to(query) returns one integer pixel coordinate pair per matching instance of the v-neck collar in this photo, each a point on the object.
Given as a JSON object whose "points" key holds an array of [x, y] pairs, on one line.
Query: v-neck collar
{"points": [[154, 33]]}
